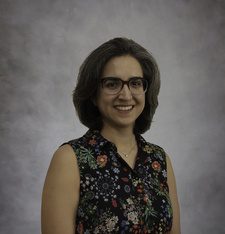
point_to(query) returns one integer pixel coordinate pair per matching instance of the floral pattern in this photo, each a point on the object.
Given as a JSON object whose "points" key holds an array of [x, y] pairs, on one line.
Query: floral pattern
{"points": [[115, 198]]}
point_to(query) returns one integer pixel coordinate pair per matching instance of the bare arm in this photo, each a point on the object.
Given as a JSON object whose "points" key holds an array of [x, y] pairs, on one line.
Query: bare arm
{"points": [[173, 197], [60, 193]]}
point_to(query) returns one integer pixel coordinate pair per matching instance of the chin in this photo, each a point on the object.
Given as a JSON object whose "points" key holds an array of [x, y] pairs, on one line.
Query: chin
{"points": [[124, 124]]}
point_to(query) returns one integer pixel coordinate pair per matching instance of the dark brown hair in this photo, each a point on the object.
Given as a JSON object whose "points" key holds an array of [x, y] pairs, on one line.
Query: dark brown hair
{"points": [[90, 72]]}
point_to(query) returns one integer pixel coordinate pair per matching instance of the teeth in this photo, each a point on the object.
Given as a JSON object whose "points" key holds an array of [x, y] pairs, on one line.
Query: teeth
{"points": [[124, 108]]}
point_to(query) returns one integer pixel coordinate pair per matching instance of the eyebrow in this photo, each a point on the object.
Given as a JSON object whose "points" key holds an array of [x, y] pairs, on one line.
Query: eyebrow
{"points": [[114, 77]]}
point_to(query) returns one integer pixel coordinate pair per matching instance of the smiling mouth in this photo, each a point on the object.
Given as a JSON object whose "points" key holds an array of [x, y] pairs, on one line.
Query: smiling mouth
{"points": [[124, 108]]}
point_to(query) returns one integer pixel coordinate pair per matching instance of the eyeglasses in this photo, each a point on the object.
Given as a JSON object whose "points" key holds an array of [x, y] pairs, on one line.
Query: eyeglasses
{"points": [[113, 85]]}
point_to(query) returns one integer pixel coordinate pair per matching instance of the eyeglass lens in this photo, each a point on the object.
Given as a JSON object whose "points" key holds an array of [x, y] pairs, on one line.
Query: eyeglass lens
{"points": [[111, 85]]}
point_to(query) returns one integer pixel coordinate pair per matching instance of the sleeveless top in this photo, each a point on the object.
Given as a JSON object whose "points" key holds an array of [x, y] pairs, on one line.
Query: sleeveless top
{"points": [[114, 198]]}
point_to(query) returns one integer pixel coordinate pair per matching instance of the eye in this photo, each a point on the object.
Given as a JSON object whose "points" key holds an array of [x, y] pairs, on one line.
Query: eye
{"points": [[136, 83], [111, 84]]}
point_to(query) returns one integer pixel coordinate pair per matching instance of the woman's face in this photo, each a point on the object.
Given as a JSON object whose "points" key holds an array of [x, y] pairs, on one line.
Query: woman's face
{"points": [[122, 109]]}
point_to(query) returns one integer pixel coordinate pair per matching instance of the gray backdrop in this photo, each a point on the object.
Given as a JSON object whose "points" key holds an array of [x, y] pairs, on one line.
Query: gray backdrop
{"points": [[42, 46]]}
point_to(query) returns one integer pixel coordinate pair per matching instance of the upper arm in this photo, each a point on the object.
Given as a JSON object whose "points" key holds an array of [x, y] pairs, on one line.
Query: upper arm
{"points": [[60, 193], [173, 197]]}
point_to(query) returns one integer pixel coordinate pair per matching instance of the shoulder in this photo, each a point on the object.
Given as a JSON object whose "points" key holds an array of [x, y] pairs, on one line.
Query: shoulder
{"points": [[63, 168], [63, 173], [149, 145], [161, 155], [171, 176], [63, 165], [64, 155], [155, 150], [156, 153], [80, 142]]}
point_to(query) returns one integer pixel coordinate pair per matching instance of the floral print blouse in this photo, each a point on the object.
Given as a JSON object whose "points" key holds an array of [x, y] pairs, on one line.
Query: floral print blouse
{"points": [[115, 198]]}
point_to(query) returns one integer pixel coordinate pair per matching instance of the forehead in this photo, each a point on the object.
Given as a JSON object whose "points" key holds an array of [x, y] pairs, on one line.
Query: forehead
{"points": [[123, 67]]}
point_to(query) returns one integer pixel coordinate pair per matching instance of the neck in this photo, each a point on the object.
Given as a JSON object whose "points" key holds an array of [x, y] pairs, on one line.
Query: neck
{"points": [[122, 138]]}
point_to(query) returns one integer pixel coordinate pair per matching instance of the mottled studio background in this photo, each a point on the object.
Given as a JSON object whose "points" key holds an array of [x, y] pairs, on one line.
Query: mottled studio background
{"points": [[42, 46]]}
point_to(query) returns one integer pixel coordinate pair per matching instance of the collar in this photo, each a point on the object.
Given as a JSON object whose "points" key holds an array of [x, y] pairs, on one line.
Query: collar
{"points": [[94, 137]]}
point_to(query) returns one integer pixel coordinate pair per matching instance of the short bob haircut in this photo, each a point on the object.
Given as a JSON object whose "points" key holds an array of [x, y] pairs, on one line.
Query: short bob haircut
{"points": [[89, 75]]}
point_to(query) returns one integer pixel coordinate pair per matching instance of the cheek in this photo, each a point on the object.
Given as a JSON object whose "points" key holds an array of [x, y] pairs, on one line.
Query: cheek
{"points": [[103, 102], [142, 100]]}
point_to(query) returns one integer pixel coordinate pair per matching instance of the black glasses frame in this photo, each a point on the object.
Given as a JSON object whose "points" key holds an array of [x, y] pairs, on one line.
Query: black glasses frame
{"points": [[127, 82]]}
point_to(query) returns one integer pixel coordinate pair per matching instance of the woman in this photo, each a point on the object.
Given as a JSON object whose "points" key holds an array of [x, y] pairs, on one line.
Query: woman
{"points": [[111, 180]]}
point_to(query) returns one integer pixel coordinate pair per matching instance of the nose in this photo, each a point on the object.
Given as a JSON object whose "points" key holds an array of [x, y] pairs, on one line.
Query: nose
{"points": [[125, 93]]}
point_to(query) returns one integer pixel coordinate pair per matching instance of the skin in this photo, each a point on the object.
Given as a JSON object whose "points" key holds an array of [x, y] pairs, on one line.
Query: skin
{"points": [[61, 189], [173, 197], [60, 193], [118, 124], [123, 67]]}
